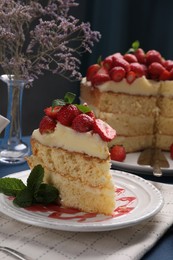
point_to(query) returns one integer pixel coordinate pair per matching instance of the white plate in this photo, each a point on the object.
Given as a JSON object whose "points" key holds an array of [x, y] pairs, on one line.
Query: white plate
{"points": [[137, 200], [130, 164]]}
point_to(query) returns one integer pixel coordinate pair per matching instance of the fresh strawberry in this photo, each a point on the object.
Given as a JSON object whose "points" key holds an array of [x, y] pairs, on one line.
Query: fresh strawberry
{"points": [[168, 64], [47, 125], [117, 73], [106, 132], [82, 123], [118, 153], [140, 55], [130, 77], [171, 151], [171, 74], [138, 69], [100, 77], [52, 111], [130, 57], [121, 62], [91, 71], [91, 114], [165, 75], [108, 62], [153, 56], [155, 69], [67, 113]]}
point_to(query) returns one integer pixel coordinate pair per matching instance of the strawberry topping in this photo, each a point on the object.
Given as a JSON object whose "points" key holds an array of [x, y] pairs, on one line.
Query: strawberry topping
{"points": [[91, 71], [117, 73], [118, 153], [100, 77], [47, 125], [67, 113], [106, 132], [131, 76], [82, 123], [52, 111]]}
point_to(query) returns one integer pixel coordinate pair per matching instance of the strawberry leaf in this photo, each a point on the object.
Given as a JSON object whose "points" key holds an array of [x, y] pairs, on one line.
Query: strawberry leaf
{"points": [[135, 46], [99, 60], [84, 109], [58, 102], [69, 97]]}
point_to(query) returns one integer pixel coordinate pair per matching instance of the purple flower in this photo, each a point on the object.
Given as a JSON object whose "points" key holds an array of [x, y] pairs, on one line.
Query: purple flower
{"points": [[35, 38]]}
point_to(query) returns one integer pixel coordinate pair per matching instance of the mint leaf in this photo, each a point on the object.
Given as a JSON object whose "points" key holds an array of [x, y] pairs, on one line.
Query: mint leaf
{"points": [[84, 109], [35, 178], [69, 97], [58, 102], [24, 198], [11, 186], [35, 192], [46, 194]]}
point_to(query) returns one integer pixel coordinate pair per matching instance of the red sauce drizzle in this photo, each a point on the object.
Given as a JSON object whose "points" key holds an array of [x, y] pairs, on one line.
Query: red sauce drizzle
{"points": [[59, 212]]}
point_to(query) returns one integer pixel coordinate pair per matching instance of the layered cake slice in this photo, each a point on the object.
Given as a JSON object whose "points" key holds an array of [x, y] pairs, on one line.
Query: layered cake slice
{"points": [[134, 94], [71, 145]]}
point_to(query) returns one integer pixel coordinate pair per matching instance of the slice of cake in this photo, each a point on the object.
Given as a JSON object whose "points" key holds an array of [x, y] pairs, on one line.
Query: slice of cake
{"points": [[134, 94], [71, 145]]}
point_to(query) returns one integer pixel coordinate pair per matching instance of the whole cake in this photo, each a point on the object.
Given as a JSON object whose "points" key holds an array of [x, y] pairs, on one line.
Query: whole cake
{"points": [[134, 94], [71, 145]]}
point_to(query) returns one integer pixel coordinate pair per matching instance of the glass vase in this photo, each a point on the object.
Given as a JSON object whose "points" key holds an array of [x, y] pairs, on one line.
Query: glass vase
{"points": [[12, 149]]}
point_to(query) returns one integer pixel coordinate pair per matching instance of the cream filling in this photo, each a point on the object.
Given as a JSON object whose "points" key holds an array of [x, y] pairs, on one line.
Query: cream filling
{"points": [[141, 86], [167, 88], [73, 141]]}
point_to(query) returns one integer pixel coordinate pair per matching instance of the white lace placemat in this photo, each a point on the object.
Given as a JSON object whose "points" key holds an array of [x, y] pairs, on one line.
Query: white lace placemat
{"points": [[126, 244]]}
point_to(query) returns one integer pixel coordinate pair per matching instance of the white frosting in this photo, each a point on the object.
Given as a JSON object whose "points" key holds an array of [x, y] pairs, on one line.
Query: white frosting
{"points": [[141, 86], [167, 88], [73, 141]]}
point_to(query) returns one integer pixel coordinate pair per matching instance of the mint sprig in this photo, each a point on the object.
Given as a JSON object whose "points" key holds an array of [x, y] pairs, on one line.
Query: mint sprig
{"points": [[69, 99], [34, 192]]}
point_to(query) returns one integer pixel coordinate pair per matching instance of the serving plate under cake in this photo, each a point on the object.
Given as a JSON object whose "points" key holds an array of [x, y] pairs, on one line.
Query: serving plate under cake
{"points": [[137, 200], [130, 165]]}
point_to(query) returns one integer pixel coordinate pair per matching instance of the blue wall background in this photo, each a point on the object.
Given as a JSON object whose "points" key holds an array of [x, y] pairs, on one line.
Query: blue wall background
{"points": [[120, 22]]}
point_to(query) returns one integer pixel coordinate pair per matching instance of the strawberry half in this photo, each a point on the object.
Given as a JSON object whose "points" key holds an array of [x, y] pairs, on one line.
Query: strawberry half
{"points": [[153, 56], [130, 57], [106, 132], [138, 69], [117, 73], [91, 71], [67, 113], [130, 77], [52, 111], [118, 153], [47, 125], [100, 77], [82, 123]]}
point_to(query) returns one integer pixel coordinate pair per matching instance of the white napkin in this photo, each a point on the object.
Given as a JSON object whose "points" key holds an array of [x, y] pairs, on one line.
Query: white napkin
{"points": [[125, 244]]}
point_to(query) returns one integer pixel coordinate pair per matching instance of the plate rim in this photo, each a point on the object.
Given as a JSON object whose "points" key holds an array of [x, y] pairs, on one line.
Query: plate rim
{"points": [[4, 208], [140, 169]]}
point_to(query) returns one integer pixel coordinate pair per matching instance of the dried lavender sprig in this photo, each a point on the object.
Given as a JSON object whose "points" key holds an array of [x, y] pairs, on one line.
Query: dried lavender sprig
{"points": [[36, 37]]}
